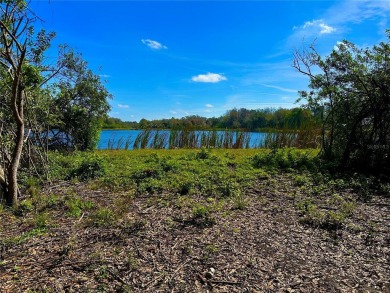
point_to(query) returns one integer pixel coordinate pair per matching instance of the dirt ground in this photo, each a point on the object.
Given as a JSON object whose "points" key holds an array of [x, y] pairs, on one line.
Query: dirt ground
{"points": [[156, 247]]}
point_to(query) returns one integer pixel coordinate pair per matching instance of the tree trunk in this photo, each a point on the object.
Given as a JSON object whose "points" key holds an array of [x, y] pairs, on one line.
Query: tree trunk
{"points": [[11, 196]]}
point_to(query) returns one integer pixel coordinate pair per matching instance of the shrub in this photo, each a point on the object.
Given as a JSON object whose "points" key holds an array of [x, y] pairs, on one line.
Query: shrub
{"points": [[90, 168]]}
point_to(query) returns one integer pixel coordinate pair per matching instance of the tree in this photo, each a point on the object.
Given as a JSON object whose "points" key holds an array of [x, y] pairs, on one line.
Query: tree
{"points": [[37, 98], [352, 93], [81, 104], [21, 54]]}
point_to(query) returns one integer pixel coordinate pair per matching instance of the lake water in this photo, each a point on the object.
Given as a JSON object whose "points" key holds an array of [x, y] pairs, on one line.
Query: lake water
{"points": [[115, 136]]}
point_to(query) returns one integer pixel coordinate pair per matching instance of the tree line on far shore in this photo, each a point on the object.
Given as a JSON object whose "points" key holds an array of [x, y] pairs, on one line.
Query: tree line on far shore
{"points": [[244, 119]]}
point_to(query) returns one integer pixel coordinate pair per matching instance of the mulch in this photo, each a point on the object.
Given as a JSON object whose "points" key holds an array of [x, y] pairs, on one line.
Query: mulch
{"points": [[157, 247]]}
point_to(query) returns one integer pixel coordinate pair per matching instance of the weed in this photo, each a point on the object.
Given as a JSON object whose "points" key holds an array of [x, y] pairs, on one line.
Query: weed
{"points": [[24, 207], [32, 186], [210, 251], [41, 221], [185, 188], [201, 215], [131, 261], [230, 188], [104, 217], [371, 233], [133, 227], [203, 154], [76, 206], [240, 202], [19, 239], [301, 180], [90, 168]]}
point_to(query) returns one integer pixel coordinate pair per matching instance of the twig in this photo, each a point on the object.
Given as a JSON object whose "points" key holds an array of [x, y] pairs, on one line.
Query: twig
{"points": [[116, 276], [224, 282], [82, 216]]}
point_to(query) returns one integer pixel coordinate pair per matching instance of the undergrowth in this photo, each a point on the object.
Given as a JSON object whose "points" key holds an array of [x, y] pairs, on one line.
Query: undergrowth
{"points": [[198, 183]]}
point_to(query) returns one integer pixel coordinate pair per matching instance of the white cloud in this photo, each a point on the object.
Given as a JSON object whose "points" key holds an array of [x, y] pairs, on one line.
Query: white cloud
{"points": [[318, 26], [104, 75], [208, 111], [153, 44], [123, 106], [173, 112], [209, 106], [209, 77]]}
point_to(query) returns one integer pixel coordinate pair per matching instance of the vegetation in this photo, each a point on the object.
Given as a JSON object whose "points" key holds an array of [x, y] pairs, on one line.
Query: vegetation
{"points": [[111, 215], [203, 206], [42, 105], [351, 95], [244, 119]]}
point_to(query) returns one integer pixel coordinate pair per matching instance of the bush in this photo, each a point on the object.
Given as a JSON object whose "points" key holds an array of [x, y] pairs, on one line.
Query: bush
{"points": [[90, 168]]}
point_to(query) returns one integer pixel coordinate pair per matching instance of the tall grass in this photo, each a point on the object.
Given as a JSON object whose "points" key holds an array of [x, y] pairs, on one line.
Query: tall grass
{"points": [[123, 143], [307, 137], [189, 139]]}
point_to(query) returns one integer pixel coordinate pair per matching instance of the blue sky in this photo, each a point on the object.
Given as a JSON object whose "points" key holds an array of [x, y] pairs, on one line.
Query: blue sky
{"points": [[165, 59]]}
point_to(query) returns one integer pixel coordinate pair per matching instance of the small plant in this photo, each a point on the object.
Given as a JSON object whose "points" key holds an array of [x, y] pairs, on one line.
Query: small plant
{"points": [[185, 188], [32, 186], [239, 201], [103, 217], [24, 207], [203, 154], [230, 189], [209, 251], [201, 215], [90, 168], [76, 206], [300, 180], [41, 221], [131, 261]]}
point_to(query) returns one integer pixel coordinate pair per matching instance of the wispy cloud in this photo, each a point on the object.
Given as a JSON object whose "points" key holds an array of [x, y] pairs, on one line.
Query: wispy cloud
{"points": [[153, 44], [209, 77], [123, 106], [317, 26], [104, 75], [344, 13], [350, 11], [280, 88], [209, 106]]}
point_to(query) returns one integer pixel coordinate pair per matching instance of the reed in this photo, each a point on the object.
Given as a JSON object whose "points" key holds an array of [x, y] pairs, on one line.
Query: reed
{"points": [[190, 139], [160, 140], [120, 144], [142, 139]]}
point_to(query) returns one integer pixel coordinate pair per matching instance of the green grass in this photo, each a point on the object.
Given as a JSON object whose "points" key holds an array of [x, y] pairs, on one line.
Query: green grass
{"points": [[199, 182]]}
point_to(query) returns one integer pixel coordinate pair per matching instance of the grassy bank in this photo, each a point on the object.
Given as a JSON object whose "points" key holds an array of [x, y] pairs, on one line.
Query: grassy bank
{"points": [[196, 220]]}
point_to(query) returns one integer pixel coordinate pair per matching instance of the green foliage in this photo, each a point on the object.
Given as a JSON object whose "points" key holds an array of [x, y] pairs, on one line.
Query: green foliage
{"points": [[104, 217], [201, 215], [41, 221], [285, 159], [351, 98], [251, 120], [76, 206], [203, 154], [81, 105], [90, 168], [24, 207]]}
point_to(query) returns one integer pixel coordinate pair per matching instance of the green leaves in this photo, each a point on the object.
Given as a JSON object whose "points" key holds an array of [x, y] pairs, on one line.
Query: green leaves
{"points": [[352, 93]]}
